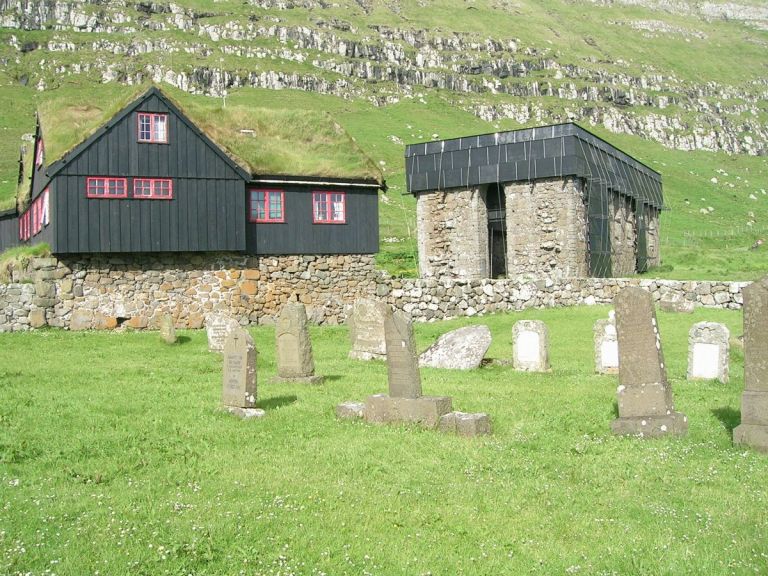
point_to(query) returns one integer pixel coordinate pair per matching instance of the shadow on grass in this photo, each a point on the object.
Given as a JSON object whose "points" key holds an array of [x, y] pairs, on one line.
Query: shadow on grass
{"points": [[616, 408], [276, 402], [332, 377], [183, 339], [729, 417]]}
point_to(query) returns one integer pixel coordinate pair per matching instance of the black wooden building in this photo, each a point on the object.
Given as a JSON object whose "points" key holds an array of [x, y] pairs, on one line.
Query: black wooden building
{"points": [[150, 180]]}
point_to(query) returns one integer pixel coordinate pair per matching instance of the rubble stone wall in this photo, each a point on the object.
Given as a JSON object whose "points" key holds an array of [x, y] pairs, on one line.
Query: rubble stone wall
{"points": [[623, 231], [106, 293], [547, 228], [452, 230]]}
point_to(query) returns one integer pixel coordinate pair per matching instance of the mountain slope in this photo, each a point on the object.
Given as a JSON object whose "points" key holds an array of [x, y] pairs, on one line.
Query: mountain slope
{"points": [[674, 75]]}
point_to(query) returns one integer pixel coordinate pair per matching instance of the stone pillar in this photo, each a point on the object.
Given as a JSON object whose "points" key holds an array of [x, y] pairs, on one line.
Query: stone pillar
{"points": [[653, 242], [644, 395], [753, 430], [547, 228], [452, 232], [708, 348], [622, 227]]}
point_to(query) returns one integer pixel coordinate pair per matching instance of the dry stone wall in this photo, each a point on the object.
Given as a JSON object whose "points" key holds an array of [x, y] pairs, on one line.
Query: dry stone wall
{"points": [[106, 293], [623, 231]]}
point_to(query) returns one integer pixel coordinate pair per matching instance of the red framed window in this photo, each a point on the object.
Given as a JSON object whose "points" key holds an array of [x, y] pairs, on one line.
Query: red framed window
{"points": [[153, 128], [45, 210], [329, 207], [267, 206], [154, 188], [106, 187], [40, 156], [25, 231]]}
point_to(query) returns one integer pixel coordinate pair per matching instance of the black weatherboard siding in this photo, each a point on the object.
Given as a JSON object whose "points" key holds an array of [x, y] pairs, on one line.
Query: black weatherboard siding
{"points": [[205, 214], [9, 230], [299, 235]]}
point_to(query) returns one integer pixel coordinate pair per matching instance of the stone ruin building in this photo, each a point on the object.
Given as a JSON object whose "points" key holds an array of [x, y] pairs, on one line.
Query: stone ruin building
{"points": [[555, 201]]}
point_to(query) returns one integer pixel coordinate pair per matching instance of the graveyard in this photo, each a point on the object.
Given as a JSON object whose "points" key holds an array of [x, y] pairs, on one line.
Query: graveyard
{"points": [[118, 459]]}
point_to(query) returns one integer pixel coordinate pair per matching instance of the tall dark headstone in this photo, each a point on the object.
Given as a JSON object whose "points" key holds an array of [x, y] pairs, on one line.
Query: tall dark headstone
{"points": [[644, 395], [753, 430]]}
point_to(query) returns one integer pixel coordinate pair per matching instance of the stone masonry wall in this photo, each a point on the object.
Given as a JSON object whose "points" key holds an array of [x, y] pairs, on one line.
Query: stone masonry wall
{"points": [[69, 295], [654, 242], [547, 228], [452, 230], [623, 231]]}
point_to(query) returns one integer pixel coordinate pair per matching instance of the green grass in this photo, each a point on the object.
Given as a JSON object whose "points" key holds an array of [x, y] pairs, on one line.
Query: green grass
{"points": [[20, 257], [115, 458]]}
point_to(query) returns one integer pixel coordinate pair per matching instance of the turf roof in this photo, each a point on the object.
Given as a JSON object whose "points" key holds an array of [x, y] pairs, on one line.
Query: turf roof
{"points": [[264, 141]]}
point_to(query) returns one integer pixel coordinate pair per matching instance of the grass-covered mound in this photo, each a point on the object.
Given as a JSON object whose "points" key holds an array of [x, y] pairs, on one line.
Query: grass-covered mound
{"points": [[114, 458]]}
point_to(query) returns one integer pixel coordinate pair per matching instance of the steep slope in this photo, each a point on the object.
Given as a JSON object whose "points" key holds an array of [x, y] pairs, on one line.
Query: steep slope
{"points": [[675, 75]]}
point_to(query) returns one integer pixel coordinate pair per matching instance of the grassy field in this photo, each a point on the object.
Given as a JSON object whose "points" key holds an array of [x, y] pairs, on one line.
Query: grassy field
{"points": [[114, 459]]}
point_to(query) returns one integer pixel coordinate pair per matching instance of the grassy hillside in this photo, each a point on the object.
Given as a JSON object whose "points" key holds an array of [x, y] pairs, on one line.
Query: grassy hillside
{"points": [[652, 78]]}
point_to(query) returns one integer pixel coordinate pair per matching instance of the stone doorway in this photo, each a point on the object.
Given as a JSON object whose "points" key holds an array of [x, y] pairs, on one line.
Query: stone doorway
{"points": [[495, 203]]}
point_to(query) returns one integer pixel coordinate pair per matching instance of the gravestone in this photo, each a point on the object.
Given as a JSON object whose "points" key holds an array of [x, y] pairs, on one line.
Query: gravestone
{"points": [[644, 395], [366, 330], [405, 402], [461, 349], [606, 347], [708, 349], [218, 327], [753, 430], [167, 329], [676, 303], [530, 346], [294, 347], [239, 375], [465, 424]]}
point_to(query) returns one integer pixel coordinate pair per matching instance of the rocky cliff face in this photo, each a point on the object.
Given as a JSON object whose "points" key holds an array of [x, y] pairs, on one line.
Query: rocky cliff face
{"points": [[305, 45]]}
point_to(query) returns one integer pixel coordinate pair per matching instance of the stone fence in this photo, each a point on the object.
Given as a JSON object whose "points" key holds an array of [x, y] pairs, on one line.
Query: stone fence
{"points": [[106, 293]]}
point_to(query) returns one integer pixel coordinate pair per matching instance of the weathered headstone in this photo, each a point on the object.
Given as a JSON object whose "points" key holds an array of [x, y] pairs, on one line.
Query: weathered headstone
{"points": [[530, 346], [239, 374], [606, 347], [461, 349], [644, 395], [366, 330], [294, 347], [465, 424], [167, 329], [708, 350], [218, 327], [676, 303], [405, 403], [753, 430]]}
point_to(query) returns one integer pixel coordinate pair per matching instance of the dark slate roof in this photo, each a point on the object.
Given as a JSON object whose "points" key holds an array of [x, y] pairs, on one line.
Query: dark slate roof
{"points": [[530, 154]]}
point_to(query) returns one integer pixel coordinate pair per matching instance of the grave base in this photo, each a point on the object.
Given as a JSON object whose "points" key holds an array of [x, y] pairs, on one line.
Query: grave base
{"points": [[425, 411], [314, 380], [651, 426], [465, 424], [350, 410], [752, 435], [245, 413]]}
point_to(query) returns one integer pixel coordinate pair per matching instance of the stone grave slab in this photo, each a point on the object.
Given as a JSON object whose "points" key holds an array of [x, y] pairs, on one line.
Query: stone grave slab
{"points": [[708, 352], [530, 346], [461, 349], [606, 347], [676, 303], [465, 424], [366, 330], [239, 372], [167, 329], [753, 430], [294, 347], [645, 401], [217, 328]]}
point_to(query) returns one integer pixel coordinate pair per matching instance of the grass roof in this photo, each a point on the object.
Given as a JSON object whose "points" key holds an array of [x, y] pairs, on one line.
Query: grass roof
{"points": [[262, 140]]}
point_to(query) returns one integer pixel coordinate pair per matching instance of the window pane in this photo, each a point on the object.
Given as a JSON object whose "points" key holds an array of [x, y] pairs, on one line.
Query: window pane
{"points": [[160, 128], [145, 123], [321, 208], [276, 206]]}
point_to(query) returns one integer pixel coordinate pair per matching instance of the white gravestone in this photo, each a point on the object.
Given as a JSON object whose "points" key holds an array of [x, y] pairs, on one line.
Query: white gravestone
{"points": [[530, 346]]}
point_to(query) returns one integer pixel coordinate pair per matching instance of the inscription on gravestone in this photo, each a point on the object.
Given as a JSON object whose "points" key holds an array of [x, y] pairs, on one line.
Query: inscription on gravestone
{"points": [[239, 377], [402, 365], [644, 395], [366, 330], [217, 328]]}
